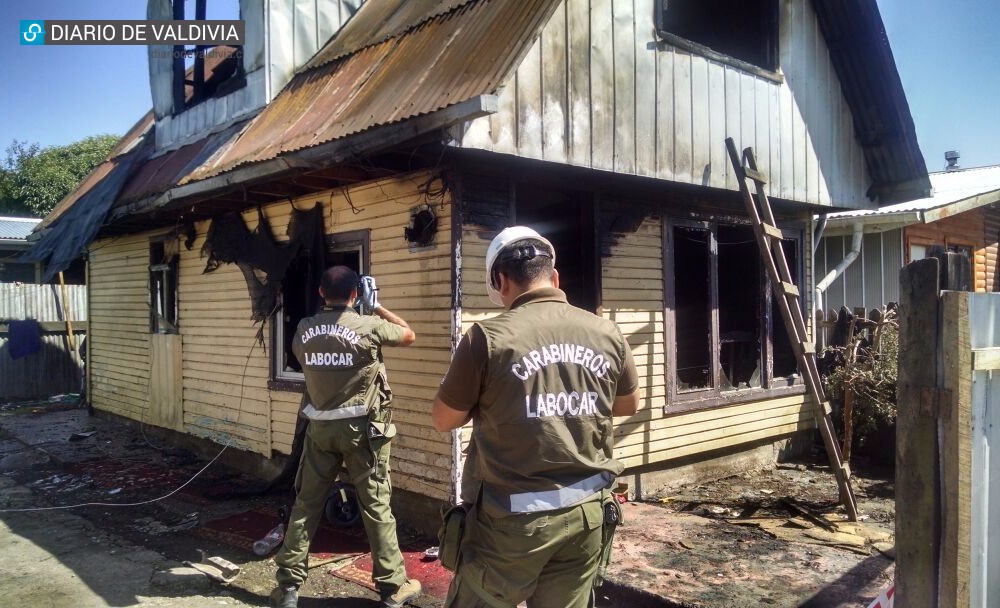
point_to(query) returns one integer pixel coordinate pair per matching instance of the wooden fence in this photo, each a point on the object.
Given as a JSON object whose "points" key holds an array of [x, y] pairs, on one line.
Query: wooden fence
{"points": [[57, 367], [947, 475], [826, 322]]}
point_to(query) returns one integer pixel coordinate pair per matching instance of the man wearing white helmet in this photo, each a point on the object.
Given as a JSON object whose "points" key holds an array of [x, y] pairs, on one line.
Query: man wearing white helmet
{"points": [[541, 383]]}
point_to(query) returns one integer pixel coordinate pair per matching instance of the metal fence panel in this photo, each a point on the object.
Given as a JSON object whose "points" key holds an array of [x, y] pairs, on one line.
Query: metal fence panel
{"points": [[56, 368]]}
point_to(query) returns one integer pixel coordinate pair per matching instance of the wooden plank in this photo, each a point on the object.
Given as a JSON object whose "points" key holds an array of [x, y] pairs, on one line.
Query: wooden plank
{"points": [[917, 510], [985, 359], [665, 113], [554, 88], [645, 92], [624, 81], [578, 108], [701, 136], [602, 85], [683, 118], [528, 81], [956, 452]]}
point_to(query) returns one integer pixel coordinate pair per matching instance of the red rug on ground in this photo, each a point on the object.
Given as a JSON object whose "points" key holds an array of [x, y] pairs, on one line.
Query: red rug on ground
{"points": [[242, 529], [434, 578]]}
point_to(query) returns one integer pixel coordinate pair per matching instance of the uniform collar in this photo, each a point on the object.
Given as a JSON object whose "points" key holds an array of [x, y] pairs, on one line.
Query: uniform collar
{"points": [[542, 294], [335, 307]]}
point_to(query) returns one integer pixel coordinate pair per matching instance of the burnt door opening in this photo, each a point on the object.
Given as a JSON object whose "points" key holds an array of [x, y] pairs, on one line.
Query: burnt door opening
{"points": [[692, 283], [740, 308], [569, 222]]}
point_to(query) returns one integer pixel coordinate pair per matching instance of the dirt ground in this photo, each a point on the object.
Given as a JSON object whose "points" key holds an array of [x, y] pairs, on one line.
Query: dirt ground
{"points": [[743, 540], [730, 543]]}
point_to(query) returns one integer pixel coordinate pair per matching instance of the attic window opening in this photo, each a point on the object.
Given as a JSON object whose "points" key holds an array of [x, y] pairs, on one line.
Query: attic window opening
{"points": [[744, 30], [203, 72]]}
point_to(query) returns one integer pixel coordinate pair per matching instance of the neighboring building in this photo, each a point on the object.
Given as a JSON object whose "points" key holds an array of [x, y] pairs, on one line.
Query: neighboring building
{"points": [[962, 216], [419, 130], [14, 233]]}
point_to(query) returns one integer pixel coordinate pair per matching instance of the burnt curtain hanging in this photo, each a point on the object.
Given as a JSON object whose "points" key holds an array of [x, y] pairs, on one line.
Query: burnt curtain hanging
{"points": [[264, 261]]}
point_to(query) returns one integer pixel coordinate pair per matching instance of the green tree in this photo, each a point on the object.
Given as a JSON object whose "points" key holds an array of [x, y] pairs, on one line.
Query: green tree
{"points": [[33, 179]]}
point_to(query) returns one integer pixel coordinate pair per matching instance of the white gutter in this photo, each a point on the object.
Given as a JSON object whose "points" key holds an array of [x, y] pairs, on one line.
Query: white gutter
{"points": [[849, 258]]}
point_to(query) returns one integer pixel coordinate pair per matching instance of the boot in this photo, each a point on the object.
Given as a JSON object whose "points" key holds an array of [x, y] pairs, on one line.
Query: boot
{"points": [[285, 597], [406, 592]]}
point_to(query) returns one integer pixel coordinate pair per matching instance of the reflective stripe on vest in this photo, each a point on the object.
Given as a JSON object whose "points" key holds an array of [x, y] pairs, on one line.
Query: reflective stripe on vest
{"points": [[530, 502], [335, 414]]}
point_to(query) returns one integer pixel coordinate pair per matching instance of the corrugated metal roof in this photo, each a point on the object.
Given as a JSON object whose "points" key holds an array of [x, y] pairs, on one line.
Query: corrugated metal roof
{"points": [[949, 188], [17, 228], [452, 57], [377, 21]]}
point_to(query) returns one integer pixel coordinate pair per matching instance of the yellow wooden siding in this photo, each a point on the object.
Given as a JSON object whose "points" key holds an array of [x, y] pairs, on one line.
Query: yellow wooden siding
{"points": [[118, 340], [224, 371], [414, 283], [633, 298]]}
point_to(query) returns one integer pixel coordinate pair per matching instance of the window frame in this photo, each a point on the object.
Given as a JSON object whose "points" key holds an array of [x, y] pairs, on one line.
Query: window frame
{"points": [[280, 378], [713, 396], [179, 70], [163, 279], [671, 39]]}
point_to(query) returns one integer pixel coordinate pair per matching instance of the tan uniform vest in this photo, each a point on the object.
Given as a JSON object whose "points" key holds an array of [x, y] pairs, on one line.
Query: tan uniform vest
{"points": [[544, 430], [340, 357]]}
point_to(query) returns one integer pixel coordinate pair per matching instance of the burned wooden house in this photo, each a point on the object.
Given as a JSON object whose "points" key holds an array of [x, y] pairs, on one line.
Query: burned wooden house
{"points": [[411, 132]]}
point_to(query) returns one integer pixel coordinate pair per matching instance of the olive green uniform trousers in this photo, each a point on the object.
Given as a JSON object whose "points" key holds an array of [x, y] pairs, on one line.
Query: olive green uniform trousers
{"points": [[548, 559], [328, 445]]}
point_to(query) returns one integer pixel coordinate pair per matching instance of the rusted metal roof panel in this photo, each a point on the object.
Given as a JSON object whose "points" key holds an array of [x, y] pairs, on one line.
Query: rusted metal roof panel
{"points": [[377, 21], [163, 172], [445, 60]]}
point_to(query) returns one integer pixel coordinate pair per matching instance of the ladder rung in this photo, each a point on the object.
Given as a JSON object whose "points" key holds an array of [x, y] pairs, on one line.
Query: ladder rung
{"points": [[789, 289], [809, 348], [772, 231], [846, 468], [826, 408], [755, 175]]}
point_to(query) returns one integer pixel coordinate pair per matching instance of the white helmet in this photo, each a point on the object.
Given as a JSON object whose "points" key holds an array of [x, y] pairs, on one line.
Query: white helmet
{"points": [[506, 237]]}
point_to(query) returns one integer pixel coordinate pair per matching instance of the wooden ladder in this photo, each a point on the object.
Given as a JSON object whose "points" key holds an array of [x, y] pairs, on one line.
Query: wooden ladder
{"points": [[787, 295]]}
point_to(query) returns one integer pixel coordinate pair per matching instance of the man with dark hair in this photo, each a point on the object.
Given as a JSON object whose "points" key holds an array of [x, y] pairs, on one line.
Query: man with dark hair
{"points": [[349, 424], [540, 383]]}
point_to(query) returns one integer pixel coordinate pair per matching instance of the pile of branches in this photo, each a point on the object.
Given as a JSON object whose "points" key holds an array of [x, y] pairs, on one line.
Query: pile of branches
{"points": [[861, 367]]}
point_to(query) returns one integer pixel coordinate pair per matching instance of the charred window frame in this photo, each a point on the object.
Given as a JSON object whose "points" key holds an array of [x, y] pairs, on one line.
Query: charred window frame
{"points": [[227, 75], [163, 306], [742, 33], [727, 340], [300, 299]]}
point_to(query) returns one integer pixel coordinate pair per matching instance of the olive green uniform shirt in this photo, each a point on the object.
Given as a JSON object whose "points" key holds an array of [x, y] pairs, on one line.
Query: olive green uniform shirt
{"points": [[340, 353], [539, 381]]}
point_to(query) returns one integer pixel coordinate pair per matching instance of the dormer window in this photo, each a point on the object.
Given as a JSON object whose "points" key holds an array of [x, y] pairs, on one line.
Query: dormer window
{"points": [[742, 32], [203, 72]]}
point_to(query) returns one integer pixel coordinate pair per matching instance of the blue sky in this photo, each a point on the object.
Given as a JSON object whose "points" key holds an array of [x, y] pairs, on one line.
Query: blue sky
{"points": [[945, 52]]}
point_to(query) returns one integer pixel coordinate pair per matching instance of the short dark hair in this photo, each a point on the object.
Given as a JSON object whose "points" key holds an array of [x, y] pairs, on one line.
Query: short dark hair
{"points": [[524, 262], [338, 282]]}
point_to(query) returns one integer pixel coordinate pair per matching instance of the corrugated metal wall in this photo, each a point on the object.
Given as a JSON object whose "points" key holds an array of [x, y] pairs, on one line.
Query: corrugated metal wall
{"points": [[872, 280], [984, 333], [55, 369], [595, 91]]}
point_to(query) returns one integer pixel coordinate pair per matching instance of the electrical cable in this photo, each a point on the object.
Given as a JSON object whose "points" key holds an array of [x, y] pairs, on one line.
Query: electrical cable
{"points": [[239, 410]]}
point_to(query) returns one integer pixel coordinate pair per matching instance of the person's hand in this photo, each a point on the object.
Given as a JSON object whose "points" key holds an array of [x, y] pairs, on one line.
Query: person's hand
{"points": [[368, 293]]}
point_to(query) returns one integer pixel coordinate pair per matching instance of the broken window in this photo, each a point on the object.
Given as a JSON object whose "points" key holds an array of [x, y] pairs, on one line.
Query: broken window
{"points": [[729, 335], [746, 30], [202, 72], [163, 286], [300, 293]]}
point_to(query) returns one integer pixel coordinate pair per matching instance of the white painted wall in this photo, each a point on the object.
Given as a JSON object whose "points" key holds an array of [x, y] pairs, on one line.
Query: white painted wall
{"points": [[595, 91]]}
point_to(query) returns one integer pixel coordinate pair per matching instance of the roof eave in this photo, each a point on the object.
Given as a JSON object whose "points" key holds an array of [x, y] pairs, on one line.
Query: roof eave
{"points": [[318, 157]]}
